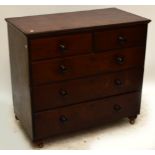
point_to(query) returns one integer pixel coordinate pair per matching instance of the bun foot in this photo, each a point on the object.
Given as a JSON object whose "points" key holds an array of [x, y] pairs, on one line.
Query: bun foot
{"points": [[132, 119], [39, 144], [16, 117]]}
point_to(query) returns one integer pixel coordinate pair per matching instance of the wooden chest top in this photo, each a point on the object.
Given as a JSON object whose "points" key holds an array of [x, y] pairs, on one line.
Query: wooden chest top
{"points": [[32, 25]]}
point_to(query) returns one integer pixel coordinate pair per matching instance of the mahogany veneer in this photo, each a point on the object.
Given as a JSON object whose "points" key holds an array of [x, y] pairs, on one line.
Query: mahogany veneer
{"points": [[76, 70]]}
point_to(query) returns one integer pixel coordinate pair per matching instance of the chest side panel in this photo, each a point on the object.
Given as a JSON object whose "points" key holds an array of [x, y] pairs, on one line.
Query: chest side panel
{"points": [[20, 78]]}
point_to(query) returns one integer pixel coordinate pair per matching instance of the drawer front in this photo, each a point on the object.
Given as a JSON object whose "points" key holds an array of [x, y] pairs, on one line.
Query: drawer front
{"points": [[121, 37], [86, 65], [84, 115], [60, 46], [76, 91]]}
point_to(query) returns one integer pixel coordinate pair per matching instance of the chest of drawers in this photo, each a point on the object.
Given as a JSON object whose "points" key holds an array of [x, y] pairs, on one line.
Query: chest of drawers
{"points": [[76, 70]]}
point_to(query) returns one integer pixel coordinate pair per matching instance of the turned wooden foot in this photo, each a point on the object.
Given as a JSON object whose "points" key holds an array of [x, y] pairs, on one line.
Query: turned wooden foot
{"points": [[39, 144], [132, 119], [16, 117]]}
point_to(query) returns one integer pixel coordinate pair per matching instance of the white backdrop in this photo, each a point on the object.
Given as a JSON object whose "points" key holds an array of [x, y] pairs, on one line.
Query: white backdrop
{"points": [[14, 11]]}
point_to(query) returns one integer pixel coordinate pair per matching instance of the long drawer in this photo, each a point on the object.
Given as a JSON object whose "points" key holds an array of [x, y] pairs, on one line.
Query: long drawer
{"points": [[119, 38], [80, 90], [84, 115], [45, 72]]}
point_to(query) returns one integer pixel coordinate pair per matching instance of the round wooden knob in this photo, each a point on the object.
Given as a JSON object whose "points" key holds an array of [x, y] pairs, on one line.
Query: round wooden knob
{"points": [[120, 60], [63, 92], [63, 68], [121, 40], [62, 47], [117, 107], [63, 119], [118, 82]]}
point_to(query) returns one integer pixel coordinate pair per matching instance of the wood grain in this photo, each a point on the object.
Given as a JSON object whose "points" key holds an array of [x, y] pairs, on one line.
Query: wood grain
{"points": [[41, 24], [49, 71], [50, 47], [91, 88], [19, 63], [111, 38], [85, 115]]}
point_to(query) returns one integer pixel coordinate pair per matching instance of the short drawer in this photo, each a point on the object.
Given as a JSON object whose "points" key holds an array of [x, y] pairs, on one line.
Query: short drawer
{"points": [[121, 37], [60, 46], [45, 72], [80, 90], [84, 115]]}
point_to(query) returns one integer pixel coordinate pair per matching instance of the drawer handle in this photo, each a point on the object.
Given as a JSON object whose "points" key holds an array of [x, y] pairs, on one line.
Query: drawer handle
{"points": [[63, 69], [120, 60], [63, 92], [63, 119], [62, 47], [121, 40], [117, 107], [118, 82]]}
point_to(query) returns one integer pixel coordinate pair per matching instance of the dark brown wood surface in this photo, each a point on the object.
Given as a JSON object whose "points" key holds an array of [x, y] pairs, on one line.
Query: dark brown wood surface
{"points": [[68, 45], [19, 64], [75, 70], [75, 20], [81, 90], [120, 38], [75, 117], [45, 72], [60, 46]]}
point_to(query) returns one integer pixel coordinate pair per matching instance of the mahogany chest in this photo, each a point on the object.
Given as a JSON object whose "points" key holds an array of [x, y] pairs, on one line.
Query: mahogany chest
{"points": [[76, 70]]}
